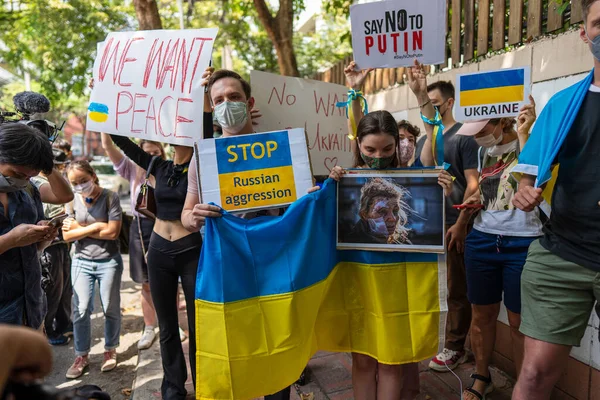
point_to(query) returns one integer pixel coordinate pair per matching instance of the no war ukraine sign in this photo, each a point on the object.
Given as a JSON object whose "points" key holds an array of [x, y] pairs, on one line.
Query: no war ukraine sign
{"points": [[494, 94], [389, 34], [263, 170], [147, 84]]}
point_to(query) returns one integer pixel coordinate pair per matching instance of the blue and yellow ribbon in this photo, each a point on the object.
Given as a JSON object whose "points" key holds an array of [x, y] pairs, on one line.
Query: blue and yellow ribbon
{"points": [[437, 145], [353, 95]]}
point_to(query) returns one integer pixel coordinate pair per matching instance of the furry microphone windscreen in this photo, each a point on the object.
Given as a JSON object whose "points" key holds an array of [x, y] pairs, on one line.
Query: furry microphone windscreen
{"points": [[31, 103]]}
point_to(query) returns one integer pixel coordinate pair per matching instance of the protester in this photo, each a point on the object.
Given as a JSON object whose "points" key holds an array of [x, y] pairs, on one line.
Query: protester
{"points": [[26, 356], [140, 230], [460, 153], [173, 254], [231, 97], [55, 259], [496, 248], [94, 226], [24, 152], [561, 277]]}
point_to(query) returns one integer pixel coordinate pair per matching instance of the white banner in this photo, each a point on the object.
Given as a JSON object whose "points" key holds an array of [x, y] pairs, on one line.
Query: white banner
{"points": [[147, 84], [390, 34], [287, 102]]}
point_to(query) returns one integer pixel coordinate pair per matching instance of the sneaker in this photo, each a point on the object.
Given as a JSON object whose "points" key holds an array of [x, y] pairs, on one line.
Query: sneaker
{"points": [[110, 360], [76, 370], [447, 359], [182, 334], [147, 338], [59, 340]]}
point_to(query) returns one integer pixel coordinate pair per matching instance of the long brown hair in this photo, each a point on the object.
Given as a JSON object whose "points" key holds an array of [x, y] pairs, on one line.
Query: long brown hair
{"points": [[375, 123], [84, 166]]}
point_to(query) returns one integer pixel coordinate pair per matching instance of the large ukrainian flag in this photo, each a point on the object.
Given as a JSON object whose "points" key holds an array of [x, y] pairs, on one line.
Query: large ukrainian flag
{"points": [[272, 291], [504, 86]]}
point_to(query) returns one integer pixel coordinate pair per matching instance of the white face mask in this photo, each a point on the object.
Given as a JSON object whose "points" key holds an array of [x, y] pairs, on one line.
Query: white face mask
{"points": [[9, 184], [489, 140], [232, 115], [84, 188]]}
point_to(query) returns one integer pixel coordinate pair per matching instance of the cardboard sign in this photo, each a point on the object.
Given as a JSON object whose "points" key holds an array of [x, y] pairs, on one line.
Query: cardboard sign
{"points": [[389, 34], [287, 102], [147, 84], [496, 94], [263, 170]]}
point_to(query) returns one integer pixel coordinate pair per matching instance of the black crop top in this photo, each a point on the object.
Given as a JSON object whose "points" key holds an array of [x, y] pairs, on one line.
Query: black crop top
{"points": [[169, 198]]}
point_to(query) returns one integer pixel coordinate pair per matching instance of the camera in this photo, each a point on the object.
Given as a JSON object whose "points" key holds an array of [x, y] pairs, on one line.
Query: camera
{"points": [[27, 105]]}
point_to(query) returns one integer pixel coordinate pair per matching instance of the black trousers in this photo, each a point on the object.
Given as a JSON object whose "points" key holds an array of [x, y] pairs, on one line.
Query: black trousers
{"points": [[60, 292], [167, 262], [283, 395]]}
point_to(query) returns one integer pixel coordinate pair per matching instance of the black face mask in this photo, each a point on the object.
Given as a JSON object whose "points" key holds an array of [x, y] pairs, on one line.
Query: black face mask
{"points": [[443, 114]]}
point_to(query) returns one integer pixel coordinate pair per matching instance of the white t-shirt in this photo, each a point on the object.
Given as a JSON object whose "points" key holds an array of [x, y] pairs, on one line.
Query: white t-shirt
{"points": [[498, 187]]}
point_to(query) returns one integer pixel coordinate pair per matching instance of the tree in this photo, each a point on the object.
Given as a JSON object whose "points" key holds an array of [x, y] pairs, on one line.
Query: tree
{"points": [[147, 14], [280, 29], [56, 41]]}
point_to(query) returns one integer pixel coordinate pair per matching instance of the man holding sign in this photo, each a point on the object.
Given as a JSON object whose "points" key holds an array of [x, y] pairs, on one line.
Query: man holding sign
{"points": [[232, 101]]}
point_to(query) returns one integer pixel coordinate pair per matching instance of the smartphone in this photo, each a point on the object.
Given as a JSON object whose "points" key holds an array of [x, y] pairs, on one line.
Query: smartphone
{"points": [[58, 220], [463, 206]]}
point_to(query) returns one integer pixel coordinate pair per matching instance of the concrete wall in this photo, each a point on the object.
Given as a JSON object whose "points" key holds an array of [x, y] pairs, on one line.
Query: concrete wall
{"points": [[556, 63]]}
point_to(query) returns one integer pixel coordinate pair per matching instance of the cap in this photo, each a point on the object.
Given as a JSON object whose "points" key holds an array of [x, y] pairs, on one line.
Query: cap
{"points": [[472, 128]]}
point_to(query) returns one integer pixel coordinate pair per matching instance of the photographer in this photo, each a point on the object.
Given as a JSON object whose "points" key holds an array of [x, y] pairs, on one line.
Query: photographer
{"points": [[24, 152]]}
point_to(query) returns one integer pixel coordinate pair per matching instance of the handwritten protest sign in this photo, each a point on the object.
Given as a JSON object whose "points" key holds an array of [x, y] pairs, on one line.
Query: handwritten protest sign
{"points": [[262, 170], [389, 34], [287, 102], [147, 84], [496, 94]]}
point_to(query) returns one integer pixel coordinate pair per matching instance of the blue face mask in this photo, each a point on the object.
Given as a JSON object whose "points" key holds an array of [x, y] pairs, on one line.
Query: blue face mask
{"points": [[595, 45]]}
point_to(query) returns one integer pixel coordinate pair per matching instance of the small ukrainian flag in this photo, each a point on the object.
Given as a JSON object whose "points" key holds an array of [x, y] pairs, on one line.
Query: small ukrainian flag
{"points": [[505, 86], [98, 112]]}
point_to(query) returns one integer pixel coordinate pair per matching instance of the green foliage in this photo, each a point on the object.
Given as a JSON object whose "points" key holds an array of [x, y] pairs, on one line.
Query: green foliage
{"points": [[56, 40]]}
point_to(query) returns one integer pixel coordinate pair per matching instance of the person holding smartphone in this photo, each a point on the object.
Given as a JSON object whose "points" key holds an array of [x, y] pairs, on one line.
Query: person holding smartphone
{"points": [[496, 248], [94, 227]]}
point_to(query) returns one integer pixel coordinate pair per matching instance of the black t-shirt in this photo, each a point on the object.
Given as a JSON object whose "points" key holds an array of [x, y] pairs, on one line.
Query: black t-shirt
{"points": [[573, 232], [461, 153]]}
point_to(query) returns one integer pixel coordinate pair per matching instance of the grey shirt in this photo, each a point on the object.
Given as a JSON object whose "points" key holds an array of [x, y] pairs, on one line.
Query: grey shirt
{"points": [[106, 208]]}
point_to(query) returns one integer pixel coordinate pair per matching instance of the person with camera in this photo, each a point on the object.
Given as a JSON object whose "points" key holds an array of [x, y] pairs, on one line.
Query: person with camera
{"points": [[24, 152], [94, 227]]}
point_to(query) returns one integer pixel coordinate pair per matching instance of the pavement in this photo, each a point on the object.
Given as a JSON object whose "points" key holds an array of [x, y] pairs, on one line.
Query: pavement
{"points": [[139, 374]]}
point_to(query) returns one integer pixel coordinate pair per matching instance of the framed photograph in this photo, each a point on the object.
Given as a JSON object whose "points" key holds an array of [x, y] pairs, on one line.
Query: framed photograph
{"points": [[395, 211]]}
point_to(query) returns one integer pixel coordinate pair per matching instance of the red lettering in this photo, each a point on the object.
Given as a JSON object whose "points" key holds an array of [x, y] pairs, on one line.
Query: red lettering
{"points": [[197, 60], [336, 143], [418, 40], [320, 103], [136, 110], [119, 111], [160, 114], [124, 59], [168, 64], [153, 56], [279, 99], [395, 37], [152, 117], [406, 42], [316, 143], [369, 42], [179, 119], [382, 43], [107, 59]]}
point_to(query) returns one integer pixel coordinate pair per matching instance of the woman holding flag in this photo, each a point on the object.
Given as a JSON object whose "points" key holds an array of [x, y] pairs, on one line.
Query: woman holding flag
{"points": [[380, 144]]}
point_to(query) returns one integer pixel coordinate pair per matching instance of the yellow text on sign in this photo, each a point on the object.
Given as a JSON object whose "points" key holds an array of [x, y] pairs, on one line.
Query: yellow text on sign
{"points": [[257, 188], [255, 150]]}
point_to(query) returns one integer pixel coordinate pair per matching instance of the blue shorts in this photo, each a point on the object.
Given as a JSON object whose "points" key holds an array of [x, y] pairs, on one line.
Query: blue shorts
{"points": [[494, 264]]}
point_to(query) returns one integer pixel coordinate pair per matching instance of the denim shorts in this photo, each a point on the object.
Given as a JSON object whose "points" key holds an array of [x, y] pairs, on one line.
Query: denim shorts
{"points": [[494, 264]]}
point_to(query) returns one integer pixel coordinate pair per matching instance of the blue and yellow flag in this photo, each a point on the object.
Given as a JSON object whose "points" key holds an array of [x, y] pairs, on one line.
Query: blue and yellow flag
{"points": [[502, 86], [272, 291]]}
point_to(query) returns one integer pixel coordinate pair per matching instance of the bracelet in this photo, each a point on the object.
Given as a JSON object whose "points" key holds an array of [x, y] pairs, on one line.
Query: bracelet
{"points": [[424, 104]]}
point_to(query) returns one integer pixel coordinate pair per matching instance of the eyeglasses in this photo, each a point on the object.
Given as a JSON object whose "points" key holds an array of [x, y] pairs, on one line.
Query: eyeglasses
{"points": [[175, 178]]}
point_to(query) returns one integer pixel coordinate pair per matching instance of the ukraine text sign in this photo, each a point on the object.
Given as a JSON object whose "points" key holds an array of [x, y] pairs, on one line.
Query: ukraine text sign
{"points": [[254, 171], [496, 94], [147, 84], [388, 34]]}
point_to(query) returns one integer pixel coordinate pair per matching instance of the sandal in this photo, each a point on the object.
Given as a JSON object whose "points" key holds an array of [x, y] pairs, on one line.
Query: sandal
{"points": [[488, 388]]}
